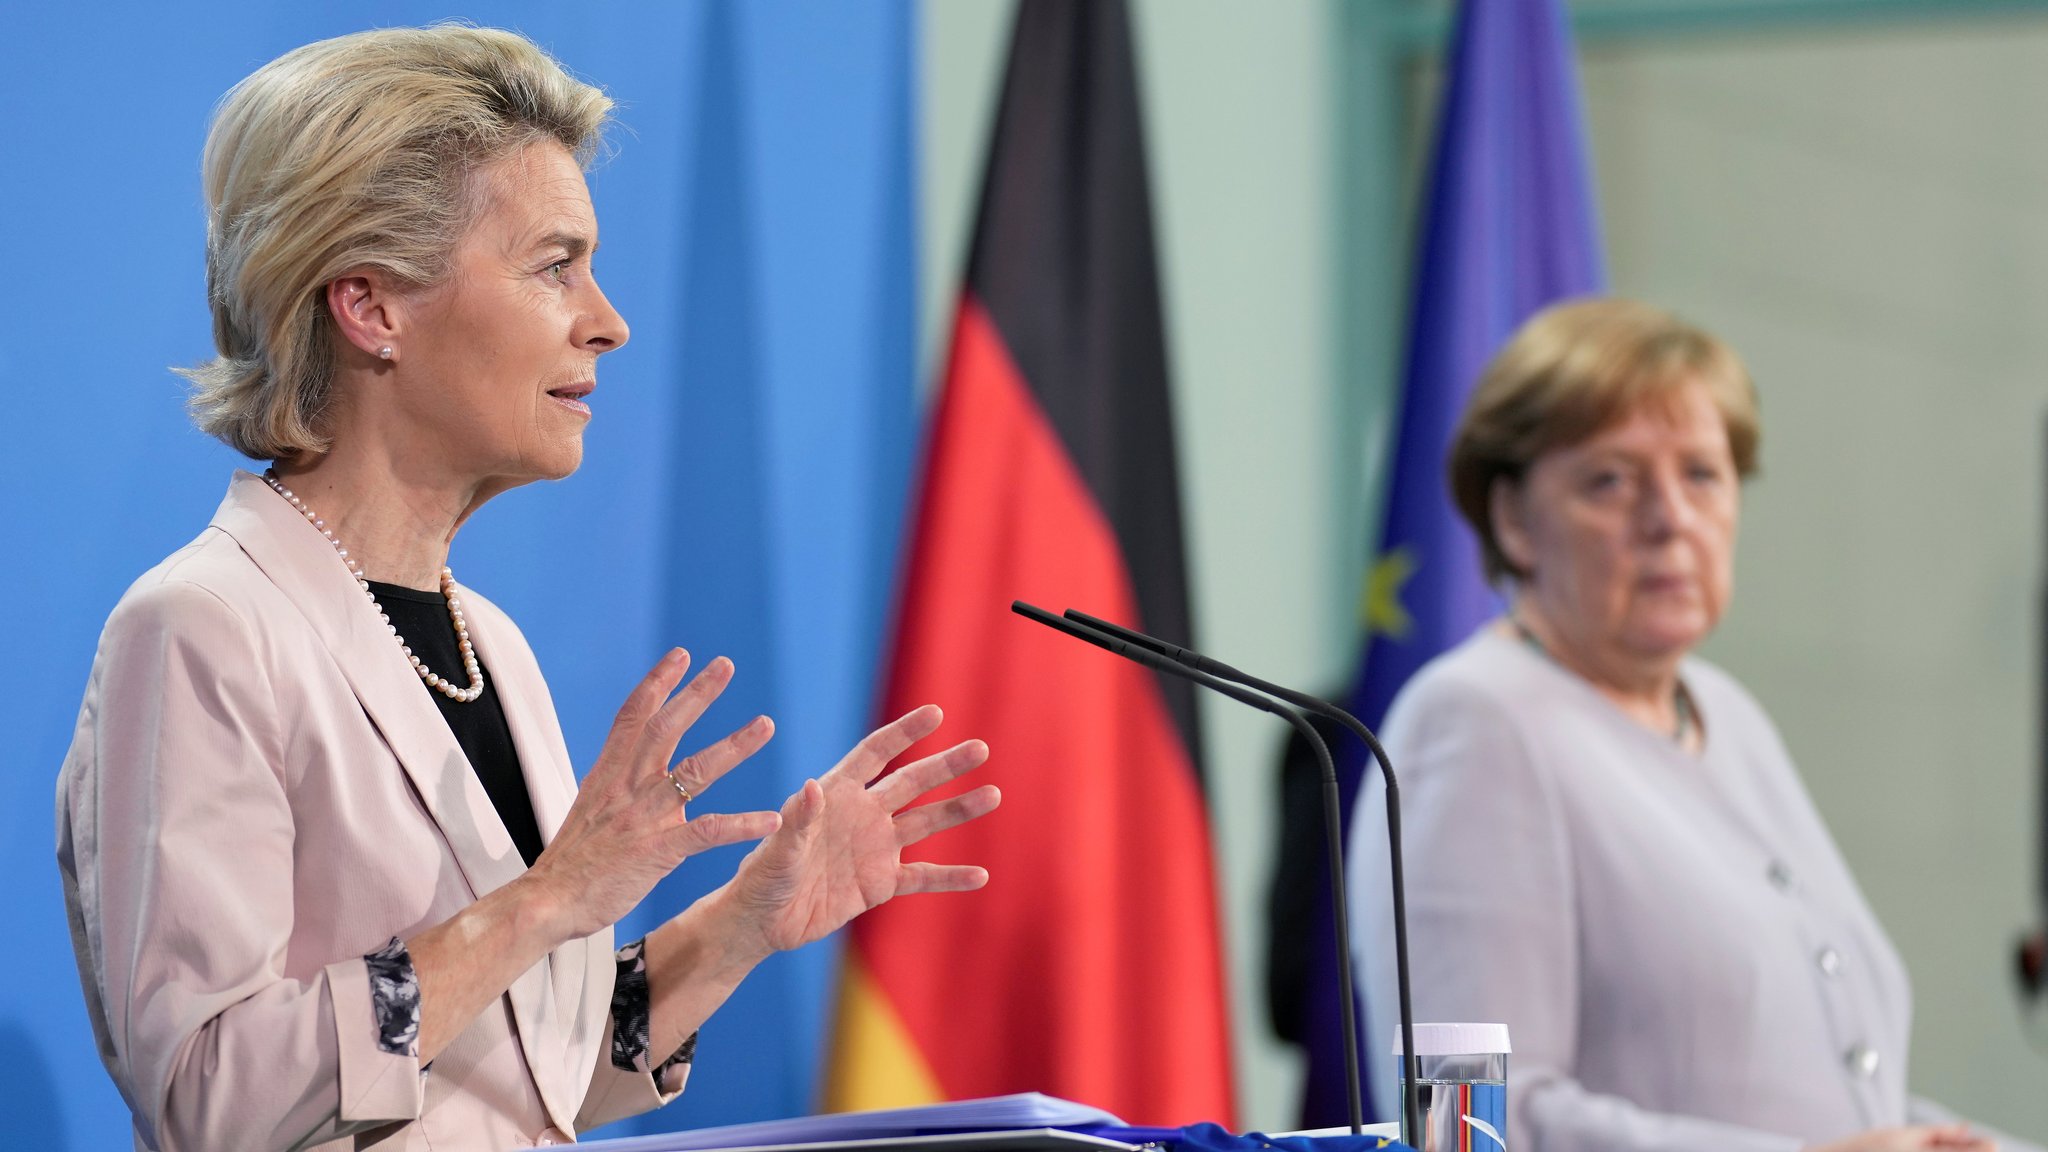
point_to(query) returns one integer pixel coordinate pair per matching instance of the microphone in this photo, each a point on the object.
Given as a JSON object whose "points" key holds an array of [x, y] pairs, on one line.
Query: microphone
{"points": [[1154, 660], [1332, 822]]}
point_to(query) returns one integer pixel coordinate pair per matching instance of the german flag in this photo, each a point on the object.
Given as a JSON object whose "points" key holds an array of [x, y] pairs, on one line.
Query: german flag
{"points": [[1090, 967]]}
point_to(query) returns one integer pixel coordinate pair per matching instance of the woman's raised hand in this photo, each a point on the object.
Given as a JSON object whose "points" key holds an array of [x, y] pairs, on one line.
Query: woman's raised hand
{"points": [[628, 827], [839, 850]]}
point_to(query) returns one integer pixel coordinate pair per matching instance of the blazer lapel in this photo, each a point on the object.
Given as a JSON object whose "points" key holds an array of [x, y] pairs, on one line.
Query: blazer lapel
{"points": [[299, 560], [529, 713], [549, 998]]}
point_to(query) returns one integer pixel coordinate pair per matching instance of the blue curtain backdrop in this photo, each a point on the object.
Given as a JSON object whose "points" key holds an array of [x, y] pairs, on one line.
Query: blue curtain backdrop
{"points": [[745, 472]]}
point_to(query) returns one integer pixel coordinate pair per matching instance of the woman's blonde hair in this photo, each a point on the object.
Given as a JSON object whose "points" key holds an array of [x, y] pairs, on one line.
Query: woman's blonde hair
{"points": [[350, 153], [1572, 370]]}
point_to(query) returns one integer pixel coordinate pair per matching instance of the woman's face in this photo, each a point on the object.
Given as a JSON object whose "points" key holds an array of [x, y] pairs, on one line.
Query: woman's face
{"points": [[501, 356], [1628, 537]]}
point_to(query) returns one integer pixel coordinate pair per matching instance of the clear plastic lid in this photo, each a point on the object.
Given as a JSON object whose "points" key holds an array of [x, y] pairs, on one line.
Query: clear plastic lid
{"points": [[1456, 1039]]}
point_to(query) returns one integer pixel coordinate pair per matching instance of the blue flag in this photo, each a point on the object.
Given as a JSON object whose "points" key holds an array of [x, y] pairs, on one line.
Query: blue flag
{"points": [[1508, 229]]}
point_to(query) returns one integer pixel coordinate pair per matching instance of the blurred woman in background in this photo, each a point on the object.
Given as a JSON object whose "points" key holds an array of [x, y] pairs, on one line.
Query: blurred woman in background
{"points": [[1607, 847], [330, 877]]}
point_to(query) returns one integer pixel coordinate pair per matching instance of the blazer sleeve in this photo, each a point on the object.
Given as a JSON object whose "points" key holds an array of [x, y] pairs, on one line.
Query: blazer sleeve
{"points": [[177, 843], [616, 1093], [1490, 898]]}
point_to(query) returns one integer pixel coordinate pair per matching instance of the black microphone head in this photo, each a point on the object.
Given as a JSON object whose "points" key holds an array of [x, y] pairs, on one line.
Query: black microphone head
{"points": [[1163, 661], [1039, 615], [1032, 611]]}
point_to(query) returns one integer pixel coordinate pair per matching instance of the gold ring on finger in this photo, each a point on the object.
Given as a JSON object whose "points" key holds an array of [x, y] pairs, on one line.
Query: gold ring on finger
{"points": [[676, 782]]}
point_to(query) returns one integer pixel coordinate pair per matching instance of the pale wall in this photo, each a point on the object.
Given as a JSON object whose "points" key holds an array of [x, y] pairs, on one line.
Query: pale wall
{"points": [[1865, 216]]}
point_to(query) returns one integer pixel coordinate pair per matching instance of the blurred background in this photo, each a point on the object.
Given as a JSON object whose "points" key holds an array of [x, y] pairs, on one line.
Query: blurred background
{"points": [[1853, 192]]}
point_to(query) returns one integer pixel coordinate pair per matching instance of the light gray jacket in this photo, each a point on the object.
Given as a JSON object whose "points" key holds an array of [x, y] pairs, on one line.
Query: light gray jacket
{"points": [[1681, 956]]}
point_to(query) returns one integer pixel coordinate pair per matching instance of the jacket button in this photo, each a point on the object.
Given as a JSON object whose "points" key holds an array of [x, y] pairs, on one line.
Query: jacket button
{"points": [[1830, 962], [1862, 1060]]}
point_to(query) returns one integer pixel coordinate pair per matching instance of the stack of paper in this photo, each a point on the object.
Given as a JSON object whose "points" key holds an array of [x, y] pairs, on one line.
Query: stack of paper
{"points": [[1018, 1121]]}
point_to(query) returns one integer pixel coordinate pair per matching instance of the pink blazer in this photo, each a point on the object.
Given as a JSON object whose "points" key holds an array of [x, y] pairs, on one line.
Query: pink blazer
{"points": [[260, 792]]}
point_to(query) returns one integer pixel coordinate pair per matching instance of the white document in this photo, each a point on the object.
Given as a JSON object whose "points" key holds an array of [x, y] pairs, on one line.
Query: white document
{"points": [[996, 1121]]}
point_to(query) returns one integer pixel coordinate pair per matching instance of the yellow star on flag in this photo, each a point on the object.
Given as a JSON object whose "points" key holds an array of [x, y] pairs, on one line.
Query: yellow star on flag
{"points": [[1380, 607]]}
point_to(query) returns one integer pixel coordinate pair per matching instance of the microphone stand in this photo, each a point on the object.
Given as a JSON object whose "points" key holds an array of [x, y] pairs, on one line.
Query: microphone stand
{"points": [[1156, 661], [1410, 1112]]}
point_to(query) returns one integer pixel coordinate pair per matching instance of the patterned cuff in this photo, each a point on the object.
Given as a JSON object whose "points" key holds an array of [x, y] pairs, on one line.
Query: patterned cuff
{"points": [[395, 998], [631, 1007]]}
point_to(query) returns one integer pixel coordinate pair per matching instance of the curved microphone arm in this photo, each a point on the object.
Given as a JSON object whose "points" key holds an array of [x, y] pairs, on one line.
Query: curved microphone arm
{"points": [[1102, 638], [1182, 657]]}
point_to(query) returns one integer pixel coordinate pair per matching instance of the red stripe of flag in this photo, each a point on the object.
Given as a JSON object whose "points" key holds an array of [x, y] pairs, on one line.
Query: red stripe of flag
{"points": [[1091, 966]]}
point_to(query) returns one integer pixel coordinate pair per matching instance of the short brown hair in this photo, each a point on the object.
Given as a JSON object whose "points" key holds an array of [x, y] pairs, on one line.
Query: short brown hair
{"points": [[1572, 370], [349, 153]]}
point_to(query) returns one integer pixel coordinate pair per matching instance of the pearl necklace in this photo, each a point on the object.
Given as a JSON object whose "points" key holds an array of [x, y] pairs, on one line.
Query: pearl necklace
{"points": [[433, 680]]}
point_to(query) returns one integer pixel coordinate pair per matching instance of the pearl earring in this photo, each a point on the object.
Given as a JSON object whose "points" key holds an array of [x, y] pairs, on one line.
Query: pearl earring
{"points": [[384, 353]]}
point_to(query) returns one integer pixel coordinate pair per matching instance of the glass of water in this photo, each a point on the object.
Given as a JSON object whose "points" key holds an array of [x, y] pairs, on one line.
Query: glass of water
{"points": [[1462, 1086]]}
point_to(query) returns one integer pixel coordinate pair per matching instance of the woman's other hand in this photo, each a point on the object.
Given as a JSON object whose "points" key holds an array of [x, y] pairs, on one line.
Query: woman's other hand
{"points": [[1913, 1138], [628, 827], [839, 850]]}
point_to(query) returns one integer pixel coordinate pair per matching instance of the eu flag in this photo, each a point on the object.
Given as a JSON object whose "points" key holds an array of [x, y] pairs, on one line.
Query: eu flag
{"points": [[1508, 228]]}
